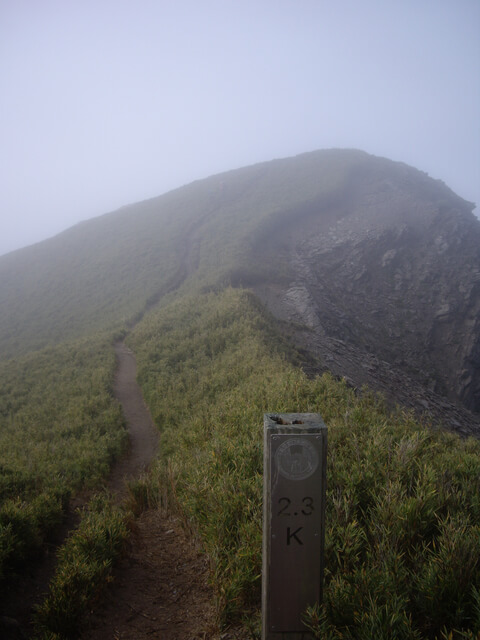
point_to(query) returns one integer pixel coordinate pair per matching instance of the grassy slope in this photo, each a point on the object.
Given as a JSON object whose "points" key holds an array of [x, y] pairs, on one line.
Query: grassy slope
{"points": [[94, 276], [102, 273], [403, 503], [59, 431]]}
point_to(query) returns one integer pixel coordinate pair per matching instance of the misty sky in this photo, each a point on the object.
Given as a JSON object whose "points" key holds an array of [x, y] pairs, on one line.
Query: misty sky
{"points": [[107, 102]]}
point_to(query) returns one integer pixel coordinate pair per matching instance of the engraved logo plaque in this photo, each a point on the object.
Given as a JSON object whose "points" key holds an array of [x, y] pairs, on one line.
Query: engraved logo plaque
{"points": [[296, 459]]}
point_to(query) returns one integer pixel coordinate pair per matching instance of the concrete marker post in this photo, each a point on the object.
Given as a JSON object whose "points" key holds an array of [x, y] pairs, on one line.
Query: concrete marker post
{"points": [[294, 485]]}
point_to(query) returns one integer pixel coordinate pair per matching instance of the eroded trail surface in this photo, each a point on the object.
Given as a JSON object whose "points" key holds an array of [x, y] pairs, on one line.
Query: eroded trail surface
{"points": [[160, 588], [143, 434]]}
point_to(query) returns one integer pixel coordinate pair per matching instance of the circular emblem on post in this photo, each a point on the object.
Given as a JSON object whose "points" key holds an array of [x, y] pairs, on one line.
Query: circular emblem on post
{"points": [[296, 459]]}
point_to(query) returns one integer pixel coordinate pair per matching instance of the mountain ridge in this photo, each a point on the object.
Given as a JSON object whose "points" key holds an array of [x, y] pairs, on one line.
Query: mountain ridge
{"points": [[368, 254]]}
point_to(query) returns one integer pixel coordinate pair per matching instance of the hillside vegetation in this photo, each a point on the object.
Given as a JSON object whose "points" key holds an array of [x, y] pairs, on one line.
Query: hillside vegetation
{"points": [[176, 275], [59, 431], [403, 501]]}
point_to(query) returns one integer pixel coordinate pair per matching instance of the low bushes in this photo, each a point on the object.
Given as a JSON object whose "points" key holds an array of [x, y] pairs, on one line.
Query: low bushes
{"points": [[84, 564], [60, 428]]}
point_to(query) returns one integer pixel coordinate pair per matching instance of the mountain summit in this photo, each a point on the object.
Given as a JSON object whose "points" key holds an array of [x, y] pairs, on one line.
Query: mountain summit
{"points": [[372, 266]]}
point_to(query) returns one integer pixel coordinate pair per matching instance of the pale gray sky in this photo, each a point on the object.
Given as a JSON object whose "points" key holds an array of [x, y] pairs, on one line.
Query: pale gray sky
{"points": [[107, 102]]}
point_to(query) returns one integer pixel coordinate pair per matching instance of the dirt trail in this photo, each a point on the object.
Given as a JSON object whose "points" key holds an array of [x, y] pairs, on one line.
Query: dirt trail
{"points": [[143, 435], [160, 588]]}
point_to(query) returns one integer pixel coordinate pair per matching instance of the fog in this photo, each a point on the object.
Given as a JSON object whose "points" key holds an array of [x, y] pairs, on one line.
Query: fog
{"points": [[111, 102]]}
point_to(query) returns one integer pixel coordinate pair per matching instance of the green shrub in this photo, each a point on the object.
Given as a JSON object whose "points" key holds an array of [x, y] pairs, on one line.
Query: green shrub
{"points": [[60, 429], [84, 565]]}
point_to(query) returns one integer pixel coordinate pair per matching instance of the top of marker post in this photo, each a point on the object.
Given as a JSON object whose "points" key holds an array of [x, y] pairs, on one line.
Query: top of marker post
{"points": [[293, 422]]}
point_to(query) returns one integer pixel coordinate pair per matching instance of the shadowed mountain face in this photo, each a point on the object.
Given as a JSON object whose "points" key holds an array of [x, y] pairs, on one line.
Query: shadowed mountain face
{"points": [[375, 266], [391, 268], [387, 280]]}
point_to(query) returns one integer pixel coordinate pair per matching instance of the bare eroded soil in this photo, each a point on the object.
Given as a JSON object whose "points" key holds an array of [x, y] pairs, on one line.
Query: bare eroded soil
{"points": [[161, 587], [143, 435]]}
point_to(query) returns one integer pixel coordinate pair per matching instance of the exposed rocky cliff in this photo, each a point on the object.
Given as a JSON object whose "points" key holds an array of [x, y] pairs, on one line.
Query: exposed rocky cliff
{"points": [[386, 283]]}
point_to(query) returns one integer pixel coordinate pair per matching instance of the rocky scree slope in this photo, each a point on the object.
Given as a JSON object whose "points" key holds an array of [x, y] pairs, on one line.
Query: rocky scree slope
{"points": [[385, 288]]}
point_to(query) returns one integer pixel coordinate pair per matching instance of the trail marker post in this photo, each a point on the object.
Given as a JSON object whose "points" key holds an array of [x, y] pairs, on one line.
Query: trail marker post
{"points": [[295, 460]]}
